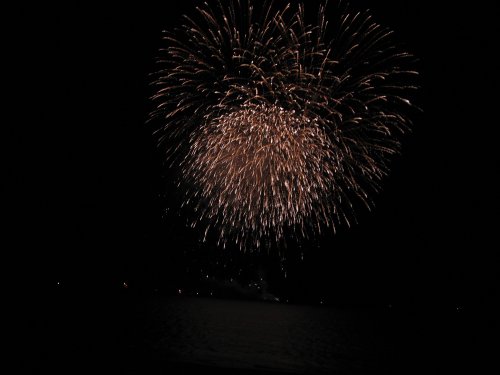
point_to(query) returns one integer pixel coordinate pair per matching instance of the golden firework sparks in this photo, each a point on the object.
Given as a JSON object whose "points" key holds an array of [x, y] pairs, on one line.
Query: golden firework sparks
{"points": [[286, 128]]}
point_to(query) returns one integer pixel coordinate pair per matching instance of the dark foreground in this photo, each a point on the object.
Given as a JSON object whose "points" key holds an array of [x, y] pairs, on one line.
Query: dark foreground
{"points": [[165, 335]]}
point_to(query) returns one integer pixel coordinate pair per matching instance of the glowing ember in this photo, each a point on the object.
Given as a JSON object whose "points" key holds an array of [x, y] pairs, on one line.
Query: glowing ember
{"points": [[285, 128]]}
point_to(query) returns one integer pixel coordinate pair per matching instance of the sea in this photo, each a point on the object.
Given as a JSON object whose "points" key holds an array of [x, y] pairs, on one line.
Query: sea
{"points": [[169, 334]]}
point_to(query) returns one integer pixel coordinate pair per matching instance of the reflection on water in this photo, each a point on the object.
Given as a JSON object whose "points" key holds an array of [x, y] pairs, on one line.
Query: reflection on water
{"points": [[165, 335], [258, 335]]}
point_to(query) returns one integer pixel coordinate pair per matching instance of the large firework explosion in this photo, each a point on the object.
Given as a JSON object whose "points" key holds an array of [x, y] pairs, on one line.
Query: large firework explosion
{"points": [[279, 126]]}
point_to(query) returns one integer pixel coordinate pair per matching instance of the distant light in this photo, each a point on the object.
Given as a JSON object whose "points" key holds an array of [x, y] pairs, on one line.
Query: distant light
{"points": [[58, 283], [179, 291], [125, 285]]}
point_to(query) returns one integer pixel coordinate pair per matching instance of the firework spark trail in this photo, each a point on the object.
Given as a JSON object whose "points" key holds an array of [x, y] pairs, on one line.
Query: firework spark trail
{"points": [[255, 164], [286, 129]]}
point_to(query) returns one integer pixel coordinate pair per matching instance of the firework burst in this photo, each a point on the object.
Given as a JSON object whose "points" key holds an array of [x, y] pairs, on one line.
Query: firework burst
{"points": [[276, 127]]}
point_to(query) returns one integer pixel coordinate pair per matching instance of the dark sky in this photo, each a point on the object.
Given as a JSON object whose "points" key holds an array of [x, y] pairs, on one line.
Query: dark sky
{"points": [[87, 180]]}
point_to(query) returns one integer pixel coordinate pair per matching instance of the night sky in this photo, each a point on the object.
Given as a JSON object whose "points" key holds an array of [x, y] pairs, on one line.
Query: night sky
{"points": [[90, 189]]}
